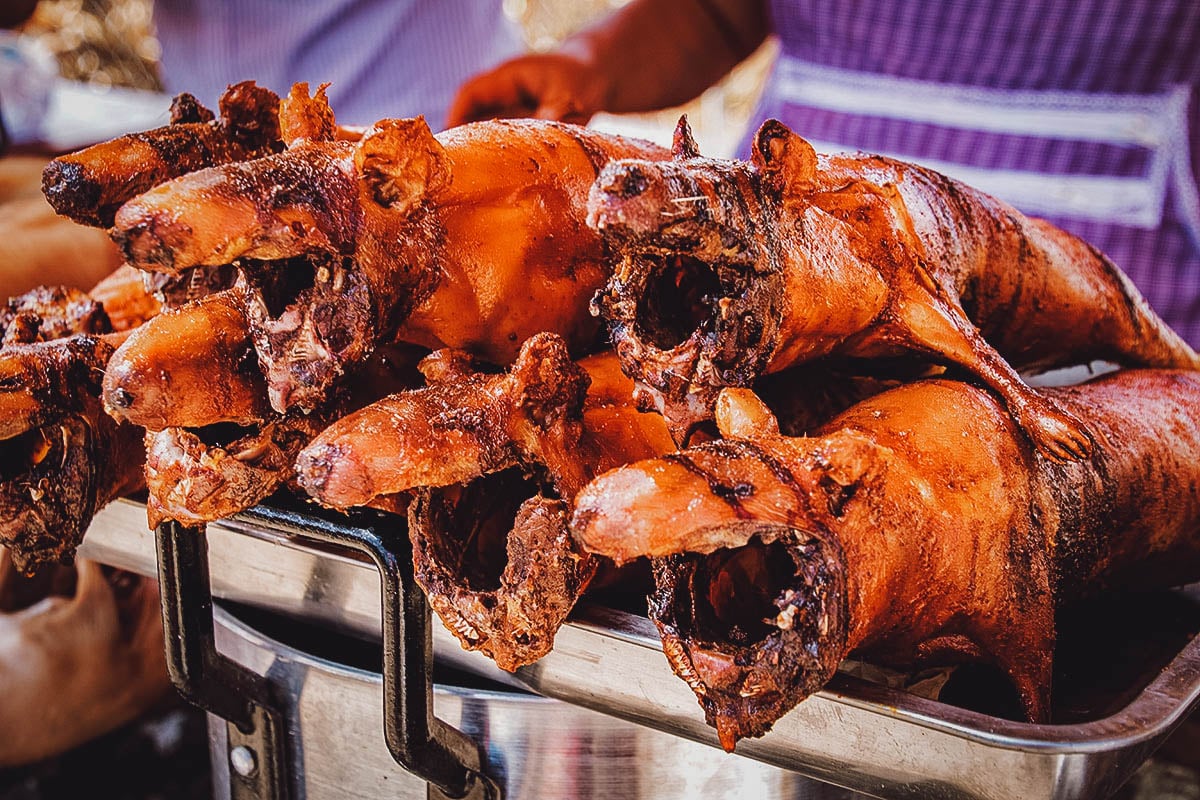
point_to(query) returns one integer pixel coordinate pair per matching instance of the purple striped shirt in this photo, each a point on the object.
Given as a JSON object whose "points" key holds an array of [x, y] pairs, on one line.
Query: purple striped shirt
{"points": [[1054, 69], [384, 58]]}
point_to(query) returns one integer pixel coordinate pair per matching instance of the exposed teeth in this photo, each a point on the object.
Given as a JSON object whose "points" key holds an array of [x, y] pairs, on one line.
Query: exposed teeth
{"points": [[66, 446], [256, 451], [40, 450]]}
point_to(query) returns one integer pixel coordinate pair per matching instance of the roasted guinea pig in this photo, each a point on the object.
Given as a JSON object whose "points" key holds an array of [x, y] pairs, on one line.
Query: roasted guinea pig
{"points": [[495, 459], [63, 458], [214, 445], [473, 239], [730, 269], [90, 185], [919, 526]]}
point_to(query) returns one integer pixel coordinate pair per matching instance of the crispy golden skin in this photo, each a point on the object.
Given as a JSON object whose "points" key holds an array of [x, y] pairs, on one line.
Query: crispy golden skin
{"points": [[496, 460], [919, 525], [189, 367], [474, 239], [90, 185], [729, 270]]}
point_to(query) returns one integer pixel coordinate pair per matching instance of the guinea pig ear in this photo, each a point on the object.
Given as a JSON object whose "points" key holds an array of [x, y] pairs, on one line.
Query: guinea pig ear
{"points": [[683, 144], [787, 162], [304, 117], [250, 114], [401, 163]]}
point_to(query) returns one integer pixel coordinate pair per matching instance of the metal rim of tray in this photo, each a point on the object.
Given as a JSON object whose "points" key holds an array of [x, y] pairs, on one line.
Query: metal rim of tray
{"points": [[596, 638]]}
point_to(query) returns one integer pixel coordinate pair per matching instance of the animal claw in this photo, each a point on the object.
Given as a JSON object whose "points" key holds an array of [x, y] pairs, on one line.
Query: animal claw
{"points": [[1060, 437]]}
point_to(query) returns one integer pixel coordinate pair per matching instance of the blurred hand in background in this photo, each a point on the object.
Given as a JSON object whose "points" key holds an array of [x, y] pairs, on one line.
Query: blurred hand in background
{"points": [[73, 668]]}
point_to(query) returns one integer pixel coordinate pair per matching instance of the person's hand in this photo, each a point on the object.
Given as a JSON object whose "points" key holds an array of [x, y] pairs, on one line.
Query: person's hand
{"points": [[74, 668], [558, 86]]}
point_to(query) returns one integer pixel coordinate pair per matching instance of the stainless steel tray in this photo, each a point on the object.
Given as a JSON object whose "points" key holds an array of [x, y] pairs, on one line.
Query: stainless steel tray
{"points": [[855, 734]]}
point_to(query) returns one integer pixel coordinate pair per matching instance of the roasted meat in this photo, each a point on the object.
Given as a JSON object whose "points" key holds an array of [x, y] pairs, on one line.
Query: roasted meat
{"points": [[90, 185], [63, 457], [496, 460], [126, 299], [219, 467], [474, 239], [189, 367], [730, 269], [917, 526], [201, 475], [214, 446]]}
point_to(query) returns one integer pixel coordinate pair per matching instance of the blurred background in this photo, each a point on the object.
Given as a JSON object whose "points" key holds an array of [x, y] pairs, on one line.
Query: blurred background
{"points": [[111, 43]]}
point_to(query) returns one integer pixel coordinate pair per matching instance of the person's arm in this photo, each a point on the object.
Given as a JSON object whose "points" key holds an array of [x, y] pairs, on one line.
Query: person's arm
{"points": [[651, 54]]}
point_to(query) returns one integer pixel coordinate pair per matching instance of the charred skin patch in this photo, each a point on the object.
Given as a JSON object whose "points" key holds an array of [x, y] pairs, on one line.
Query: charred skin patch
{"points": [[693, 305], [498, 564], [62, 457], [753, 630], [312, 319], [47, 492]]}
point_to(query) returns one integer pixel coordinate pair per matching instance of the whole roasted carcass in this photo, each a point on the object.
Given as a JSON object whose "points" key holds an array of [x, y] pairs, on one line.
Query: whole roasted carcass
{"points": [[63, 458], [730, 269], [474, 239], [495, 461], [918, 526]]}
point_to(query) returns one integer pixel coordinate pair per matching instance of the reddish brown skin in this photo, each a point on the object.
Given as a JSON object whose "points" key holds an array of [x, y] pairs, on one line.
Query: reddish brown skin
{"points": [[200, 474], [90, 185], [194, 482], [189, 367], [126, 299], [855, 256], [502, 585], [474, 239], [923, 528]]}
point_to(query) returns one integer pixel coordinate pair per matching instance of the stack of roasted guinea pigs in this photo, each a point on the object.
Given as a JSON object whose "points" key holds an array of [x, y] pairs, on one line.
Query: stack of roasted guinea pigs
{"points": [[789, 383]]}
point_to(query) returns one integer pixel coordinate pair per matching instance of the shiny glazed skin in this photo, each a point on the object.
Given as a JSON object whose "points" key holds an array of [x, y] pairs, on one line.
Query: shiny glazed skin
{"points": [[929, 484], [462, 444], [794, 256], [473, 239], [188, 367]]}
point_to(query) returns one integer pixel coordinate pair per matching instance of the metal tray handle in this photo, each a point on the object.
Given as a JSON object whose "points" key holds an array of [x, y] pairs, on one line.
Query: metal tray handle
{"points": [[421, 743]]}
